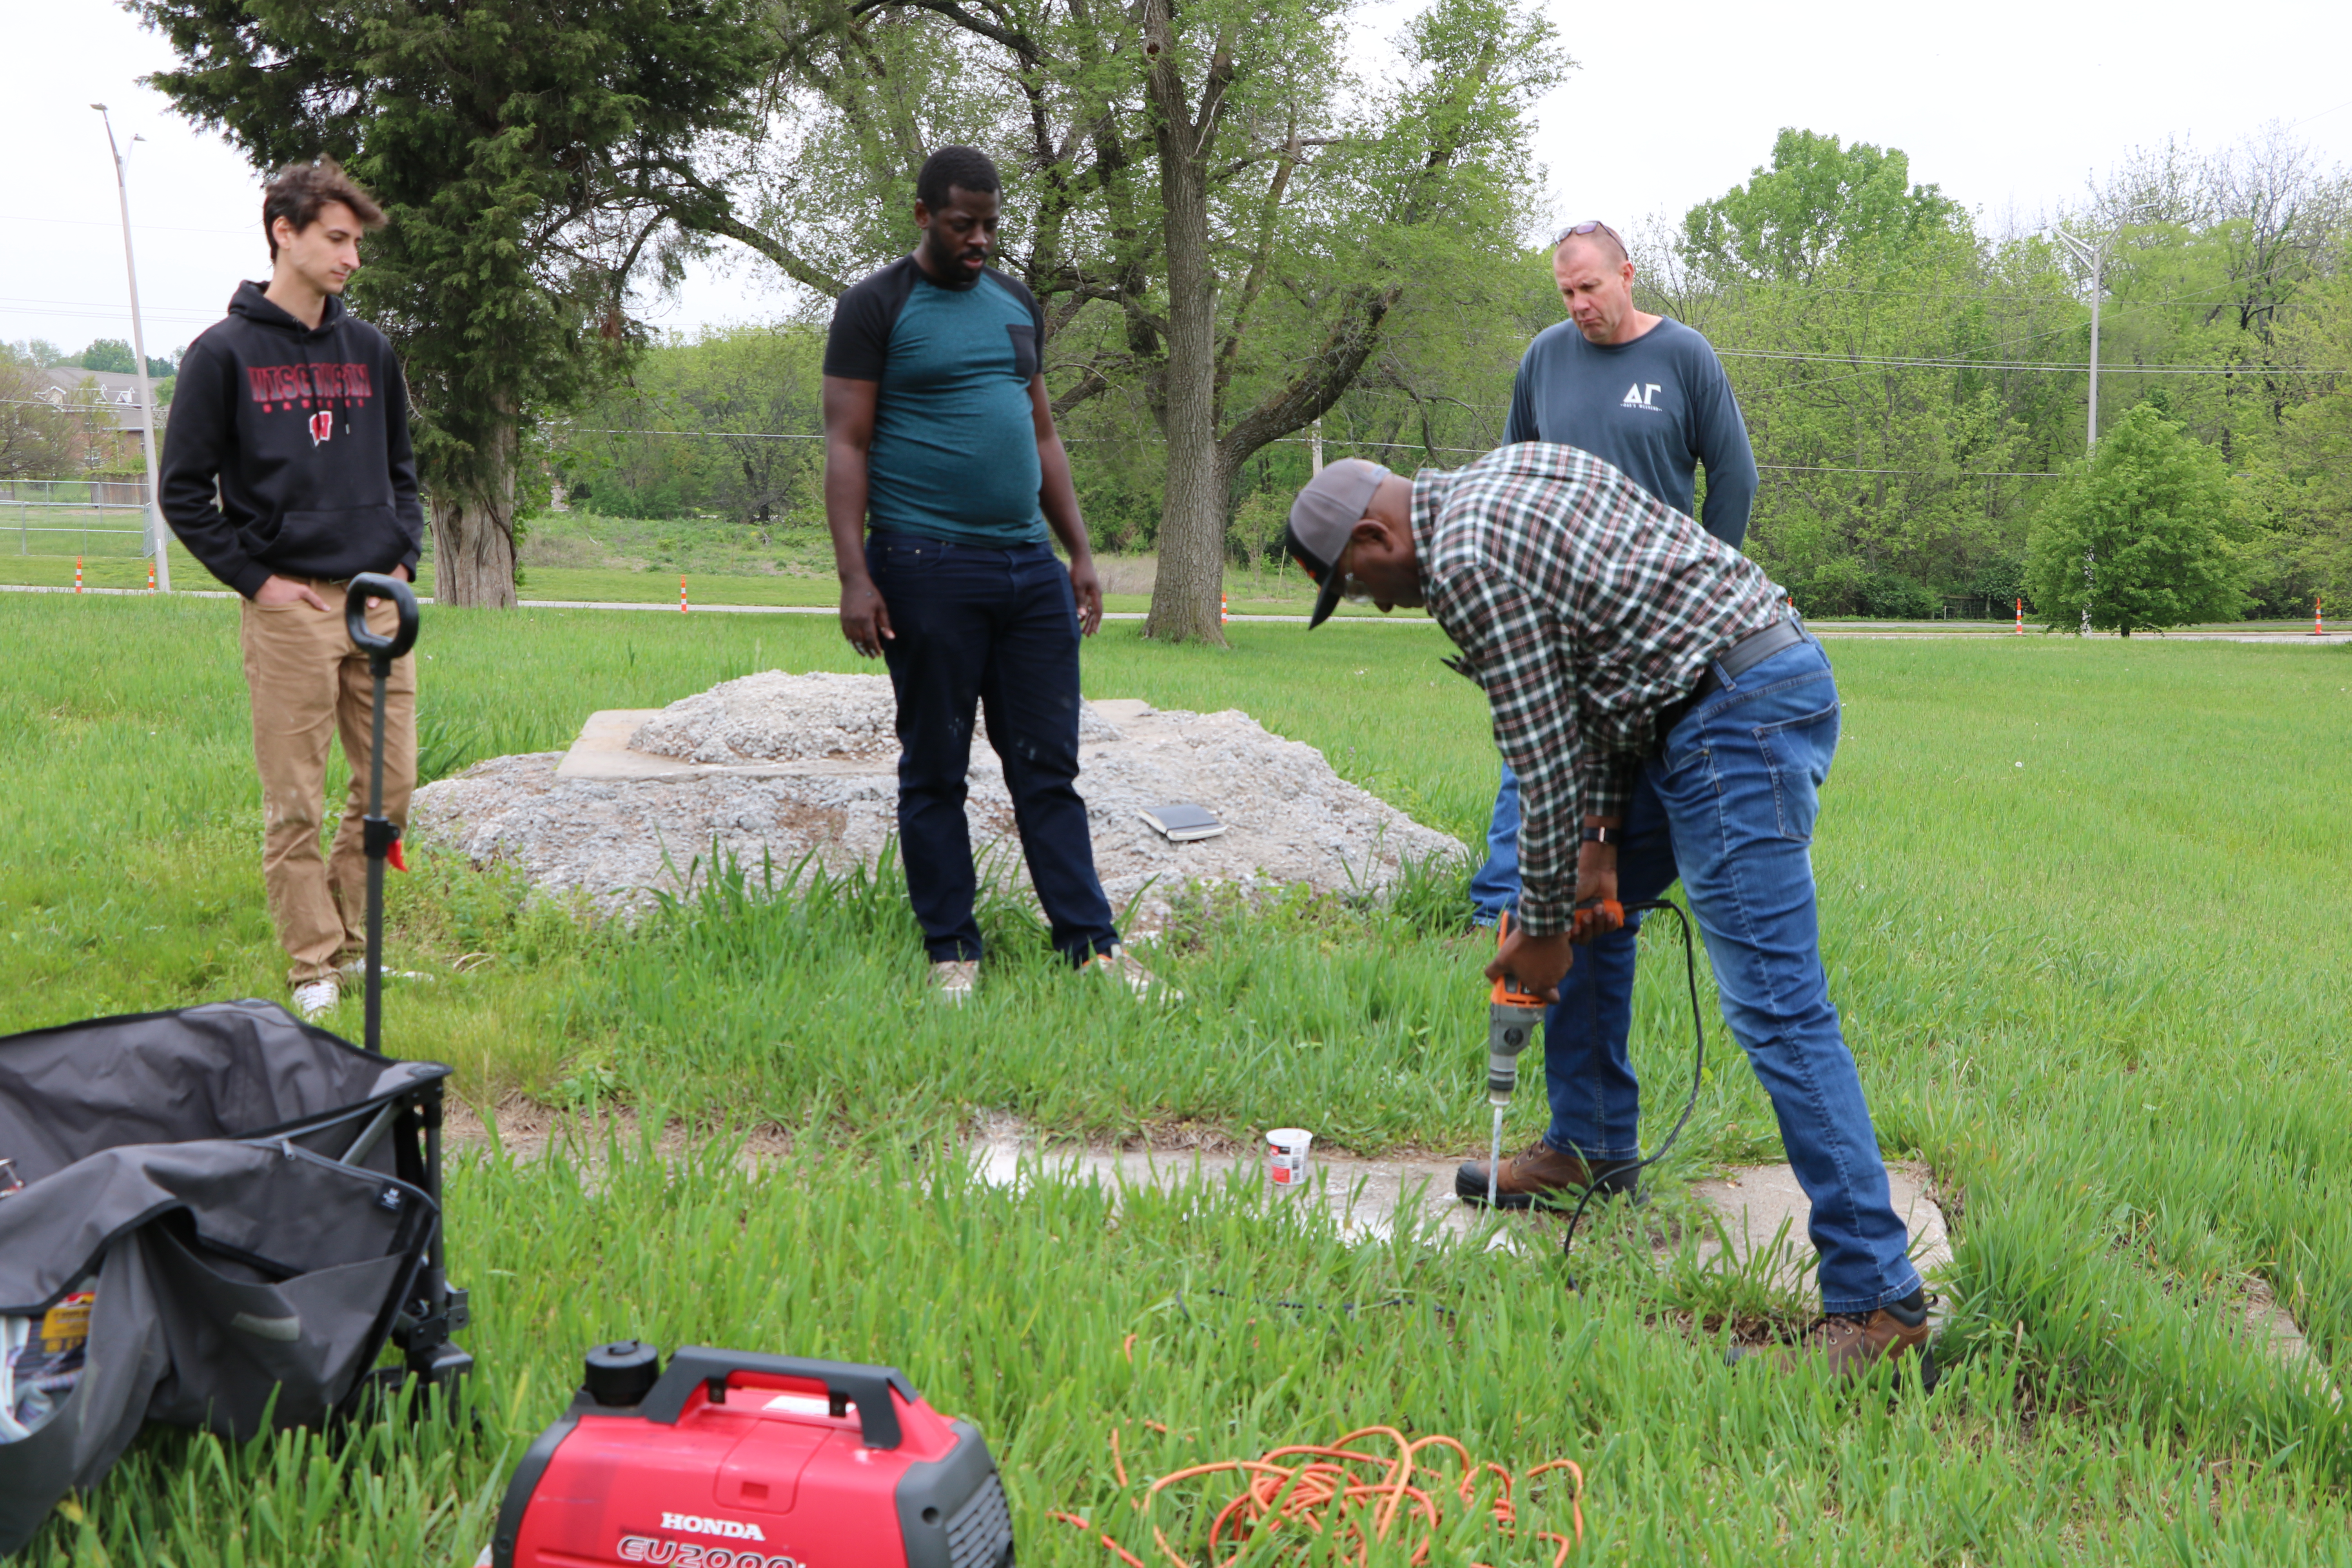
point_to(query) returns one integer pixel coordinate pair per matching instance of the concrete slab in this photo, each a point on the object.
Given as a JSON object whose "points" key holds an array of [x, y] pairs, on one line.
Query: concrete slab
{"points": [[600, 753], [1765, 1216], [1752, 1204], [1365, 1197], [2273, 1329]]}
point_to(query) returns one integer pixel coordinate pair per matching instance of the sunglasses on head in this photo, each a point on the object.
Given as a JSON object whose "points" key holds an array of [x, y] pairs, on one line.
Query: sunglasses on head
{"points": [[1594, 226]]}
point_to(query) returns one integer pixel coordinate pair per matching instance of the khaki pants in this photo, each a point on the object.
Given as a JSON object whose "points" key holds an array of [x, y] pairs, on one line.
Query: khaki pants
{"points": [[307, 682]]}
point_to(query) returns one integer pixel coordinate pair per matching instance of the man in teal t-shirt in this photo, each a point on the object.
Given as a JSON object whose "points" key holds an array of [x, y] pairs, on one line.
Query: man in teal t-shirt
{"points": [[939, 437]]}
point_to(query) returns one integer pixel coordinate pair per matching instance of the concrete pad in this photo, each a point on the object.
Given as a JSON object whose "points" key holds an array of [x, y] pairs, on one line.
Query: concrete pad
{"points": [[601, 753], [2273, 1329], [1752, 1204], [1363, 1196], [1765, 1216]]}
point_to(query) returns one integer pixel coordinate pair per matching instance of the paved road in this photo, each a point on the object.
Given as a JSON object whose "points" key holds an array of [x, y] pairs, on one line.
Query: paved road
{"points": [[1878, 630]]}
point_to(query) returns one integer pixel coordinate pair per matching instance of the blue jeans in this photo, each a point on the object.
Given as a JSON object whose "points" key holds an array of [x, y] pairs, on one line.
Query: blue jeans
{"points": [[1728, 808], [1495, 886], [977, 626]]}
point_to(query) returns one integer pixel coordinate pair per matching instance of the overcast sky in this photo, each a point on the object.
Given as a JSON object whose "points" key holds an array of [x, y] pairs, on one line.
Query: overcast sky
{"points": [[2008, 106]]}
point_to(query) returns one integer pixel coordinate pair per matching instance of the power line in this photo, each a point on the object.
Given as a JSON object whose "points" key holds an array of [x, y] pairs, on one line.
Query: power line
{"points": [[728, 435], [108, 222], [1343, 441], [1954, 473], [1903, 363]]}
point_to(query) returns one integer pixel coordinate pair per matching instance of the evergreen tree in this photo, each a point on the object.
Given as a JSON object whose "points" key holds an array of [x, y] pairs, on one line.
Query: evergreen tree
{"points": [[530, 156]]}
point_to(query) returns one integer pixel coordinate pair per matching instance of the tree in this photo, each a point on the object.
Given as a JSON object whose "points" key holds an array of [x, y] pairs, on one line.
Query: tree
{"points": [[1853, 308], [38, 439], [2308, 477], [1817, 199], [1218, 221], [110, 354], [2141, 531], [729, 420], [532, 157]]}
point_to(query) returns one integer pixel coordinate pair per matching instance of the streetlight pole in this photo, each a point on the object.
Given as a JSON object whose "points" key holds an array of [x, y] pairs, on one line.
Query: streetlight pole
{"points": [[156, 533], [2095, 256]]}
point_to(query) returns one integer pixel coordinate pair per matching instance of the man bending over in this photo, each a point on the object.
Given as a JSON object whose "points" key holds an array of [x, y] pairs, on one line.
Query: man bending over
{"points": [[1616, 639]]}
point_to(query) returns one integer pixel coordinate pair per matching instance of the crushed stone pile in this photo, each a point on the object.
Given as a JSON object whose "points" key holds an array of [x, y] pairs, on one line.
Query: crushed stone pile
{"points": [[788, 767]]}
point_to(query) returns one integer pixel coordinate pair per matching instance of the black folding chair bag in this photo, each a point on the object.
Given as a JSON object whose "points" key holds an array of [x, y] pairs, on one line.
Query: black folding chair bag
{"points": [[251, 1200]]}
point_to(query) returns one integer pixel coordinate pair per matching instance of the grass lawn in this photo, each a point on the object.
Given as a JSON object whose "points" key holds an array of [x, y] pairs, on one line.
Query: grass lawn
{"points": [[2101, 993]]}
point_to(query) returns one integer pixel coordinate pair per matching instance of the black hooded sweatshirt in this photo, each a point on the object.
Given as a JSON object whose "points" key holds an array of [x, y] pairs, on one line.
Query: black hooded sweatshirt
{"points": [[306, 431]]}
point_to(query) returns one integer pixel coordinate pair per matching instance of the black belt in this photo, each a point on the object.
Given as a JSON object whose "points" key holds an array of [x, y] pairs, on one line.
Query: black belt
{"points": [[1740, 656]]}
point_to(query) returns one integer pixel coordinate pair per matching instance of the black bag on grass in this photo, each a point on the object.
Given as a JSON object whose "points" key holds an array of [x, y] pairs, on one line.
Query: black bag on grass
{"points": [[251, 1201]]}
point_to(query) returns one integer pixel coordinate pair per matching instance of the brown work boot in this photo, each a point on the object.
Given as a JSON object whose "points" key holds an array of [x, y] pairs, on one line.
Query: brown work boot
{"points": [[1543, 1175], [1848, 1345]]}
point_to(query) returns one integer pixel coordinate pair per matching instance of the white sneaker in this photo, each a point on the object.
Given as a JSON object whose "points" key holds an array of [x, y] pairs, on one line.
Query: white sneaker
{"points": [[317, 999], [952, 980], [1121, 965]]}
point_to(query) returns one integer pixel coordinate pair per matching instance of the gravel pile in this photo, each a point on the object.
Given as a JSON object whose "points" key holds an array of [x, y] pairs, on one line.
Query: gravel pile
{"points": [[803, 766]]}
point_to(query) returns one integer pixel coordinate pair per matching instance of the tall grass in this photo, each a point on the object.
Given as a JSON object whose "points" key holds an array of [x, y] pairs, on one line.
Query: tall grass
{"points": [[1056, 1316], [2101, 993]]}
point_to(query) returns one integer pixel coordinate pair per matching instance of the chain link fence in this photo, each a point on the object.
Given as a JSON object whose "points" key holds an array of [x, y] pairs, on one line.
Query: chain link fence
{"points": [[97, 517]]}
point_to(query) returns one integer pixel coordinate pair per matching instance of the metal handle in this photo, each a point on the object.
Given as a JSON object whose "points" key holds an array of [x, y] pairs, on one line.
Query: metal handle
{"points": [[867, 1387], [367, 585]]}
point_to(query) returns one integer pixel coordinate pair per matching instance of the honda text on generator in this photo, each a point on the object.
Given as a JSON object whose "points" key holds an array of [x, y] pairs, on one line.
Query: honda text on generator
{"points": [[735, 1460]]}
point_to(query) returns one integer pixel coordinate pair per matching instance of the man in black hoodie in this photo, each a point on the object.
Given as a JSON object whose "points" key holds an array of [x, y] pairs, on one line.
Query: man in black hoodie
{"points": [[286, 471]]}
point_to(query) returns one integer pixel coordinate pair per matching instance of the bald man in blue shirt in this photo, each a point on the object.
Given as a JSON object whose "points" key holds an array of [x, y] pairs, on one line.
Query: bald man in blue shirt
{"points": [[1647, 395]]}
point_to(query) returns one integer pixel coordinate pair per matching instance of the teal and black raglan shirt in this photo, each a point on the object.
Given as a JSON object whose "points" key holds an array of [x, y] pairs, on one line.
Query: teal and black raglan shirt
{"points": [[1652, 409], [954, 455]]}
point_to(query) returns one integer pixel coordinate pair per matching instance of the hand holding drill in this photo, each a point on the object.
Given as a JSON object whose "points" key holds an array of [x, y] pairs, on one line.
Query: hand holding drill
{"points": [[1536, 965]]}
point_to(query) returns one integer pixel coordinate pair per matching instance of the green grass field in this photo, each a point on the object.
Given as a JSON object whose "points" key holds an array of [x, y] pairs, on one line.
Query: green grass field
{"points": [[2101, 993]]}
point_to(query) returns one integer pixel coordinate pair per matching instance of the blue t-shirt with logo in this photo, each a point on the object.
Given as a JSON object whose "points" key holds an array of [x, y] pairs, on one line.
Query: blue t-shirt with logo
{"points": [[954, 455], [1653, 409]]}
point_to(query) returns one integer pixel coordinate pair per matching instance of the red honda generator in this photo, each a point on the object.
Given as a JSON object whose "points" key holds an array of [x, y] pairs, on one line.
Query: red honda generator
{"points": [[735, 1460]]}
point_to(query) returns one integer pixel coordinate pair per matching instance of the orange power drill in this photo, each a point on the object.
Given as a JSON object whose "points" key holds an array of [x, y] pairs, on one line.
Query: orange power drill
{"points": [[1512, 1015]]}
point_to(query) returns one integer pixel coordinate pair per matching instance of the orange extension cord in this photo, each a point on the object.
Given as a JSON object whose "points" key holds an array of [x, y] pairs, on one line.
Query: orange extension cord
{"points": [[1344, 1492]]}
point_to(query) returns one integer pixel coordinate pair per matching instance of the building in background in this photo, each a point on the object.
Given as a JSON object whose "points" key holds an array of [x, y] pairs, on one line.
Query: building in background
{"points": [[113, 427]]}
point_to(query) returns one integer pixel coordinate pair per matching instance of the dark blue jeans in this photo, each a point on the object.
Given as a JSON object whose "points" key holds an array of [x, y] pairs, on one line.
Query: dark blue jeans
{"points": [[1000, 627], [1495, 886], [1728, 808]]}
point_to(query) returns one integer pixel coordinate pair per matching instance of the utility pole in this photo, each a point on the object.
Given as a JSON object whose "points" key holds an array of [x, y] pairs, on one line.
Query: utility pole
{"points": [[2093, 257], [156, 532]]}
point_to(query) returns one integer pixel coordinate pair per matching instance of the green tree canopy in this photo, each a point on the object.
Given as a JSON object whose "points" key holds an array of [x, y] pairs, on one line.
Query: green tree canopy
{"points": [[2141, 531], [1220, 216], [39, 440], [1816, 200], [729, 419], [110, 354], [530, 154]]}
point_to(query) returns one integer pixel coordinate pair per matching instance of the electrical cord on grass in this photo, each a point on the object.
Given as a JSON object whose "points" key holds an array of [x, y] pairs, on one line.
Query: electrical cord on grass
{"points": [[1698, 1066]]}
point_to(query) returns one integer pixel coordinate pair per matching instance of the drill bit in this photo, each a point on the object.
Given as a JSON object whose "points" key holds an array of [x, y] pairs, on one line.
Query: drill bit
{"points": [[1512, 1015]]}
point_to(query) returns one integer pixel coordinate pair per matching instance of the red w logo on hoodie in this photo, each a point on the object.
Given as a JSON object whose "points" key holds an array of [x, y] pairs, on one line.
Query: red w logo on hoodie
{"points": [[322, 425]]}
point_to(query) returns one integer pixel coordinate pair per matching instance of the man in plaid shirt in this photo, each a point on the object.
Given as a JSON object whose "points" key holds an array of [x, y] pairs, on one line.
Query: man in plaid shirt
{"points": [[1615, 638]]}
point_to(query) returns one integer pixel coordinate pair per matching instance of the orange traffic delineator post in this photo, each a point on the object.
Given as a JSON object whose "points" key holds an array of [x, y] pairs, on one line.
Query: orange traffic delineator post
{"points": [[2020, 617], [151, 576], [1222, 616], [681, 594], [2319, 620], [77, 574]]}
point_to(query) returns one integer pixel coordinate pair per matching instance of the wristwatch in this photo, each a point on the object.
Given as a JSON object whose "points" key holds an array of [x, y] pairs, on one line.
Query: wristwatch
{"points": [[1611, 836]]}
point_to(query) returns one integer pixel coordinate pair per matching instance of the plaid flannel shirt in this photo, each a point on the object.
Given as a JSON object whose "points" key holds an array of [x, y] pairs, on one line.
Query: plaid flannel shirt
{"points": [[1583, 605]]}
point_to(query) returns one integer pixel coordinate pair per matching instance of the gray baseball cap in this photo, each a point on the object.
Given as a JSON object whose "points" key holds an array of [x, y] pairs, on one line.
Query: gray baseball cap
{"points": [[1321, 519]]}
